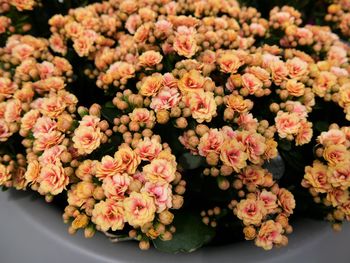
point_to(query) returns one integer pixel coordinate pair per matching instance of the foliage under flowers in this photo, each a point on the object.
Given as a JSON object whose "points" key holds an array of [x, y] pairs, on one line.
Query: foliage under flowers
{"points": [[192, 103]]}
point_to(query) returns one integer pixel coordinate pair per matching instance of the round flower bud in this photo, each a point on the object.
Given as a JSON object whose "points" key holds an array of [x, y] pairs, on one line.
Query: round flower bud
{"points": [[166, 217]]}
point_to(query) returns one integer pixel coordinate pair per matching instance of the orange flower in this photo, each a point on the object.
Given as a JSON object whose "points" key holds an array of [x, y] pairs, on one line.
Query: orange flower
{"points": [[270, 233], [109, 214], [233, 155], [251, 211], [191, 81]]}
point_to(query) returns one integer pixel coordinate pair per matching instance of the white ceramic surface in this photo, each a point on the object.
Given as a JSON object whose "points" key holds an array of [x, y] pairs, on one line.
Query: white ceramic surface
{"points": [[33, 232]]}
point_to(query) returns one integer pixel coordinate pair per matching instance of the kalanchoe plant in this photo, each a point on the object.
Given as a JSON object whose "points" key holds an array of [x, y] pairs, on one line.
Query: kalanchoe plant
{"points": [[177, 123]]}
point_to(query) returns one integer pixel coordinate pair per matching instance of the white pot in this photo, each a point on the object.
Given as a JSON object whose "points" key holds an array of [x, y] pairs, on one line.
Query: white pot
{"points": [[32, 231]]}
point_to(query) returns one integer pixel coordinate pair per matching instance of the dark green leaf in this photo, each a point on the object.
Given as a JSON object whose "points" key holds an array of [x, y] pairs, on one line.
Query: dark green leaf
{"points": [[285, 145], [321, 126], [190, 234]]}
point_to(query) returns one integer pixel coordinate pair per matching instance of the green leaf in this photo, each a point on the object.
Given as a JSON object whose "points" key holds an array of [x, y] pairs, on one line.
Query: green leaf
{"points": [[109, 113], [285, 145], [321, 126], [191, 233]]}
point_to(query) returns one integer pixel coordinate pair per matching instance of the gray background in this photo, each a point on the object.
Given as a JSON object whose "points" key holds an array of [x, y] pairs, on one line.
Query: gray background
{"points": [[33, 232]]}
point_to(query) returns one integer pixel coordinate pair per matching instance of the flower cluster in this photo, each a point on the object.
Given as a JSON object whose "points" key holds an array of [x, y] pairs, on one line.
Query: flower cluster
{"points": [[338, 14], [328, 178]]}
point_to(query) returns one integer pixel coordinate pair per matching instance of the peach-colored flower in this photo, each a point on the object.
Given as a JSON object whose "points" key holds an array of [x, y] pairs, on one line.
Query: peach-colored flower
{"points": [[86, 170], [142, 116], [316, 176], [132, 23], [260, 73], [130, 159], [161, 192], [287, 124], [202, 105], [252, 174], [247, 121], [286, 200], [305, 133], [252, 83], [52, 106], [337, 55], [337, 196], [166, 99], [150, 59], [82, 45], [270, 233], [159, 170], [108, 167], [22, 51], [148, 149], [109, 214], [5, 176], [52, 155], [7, 87], [185, 43], [139, 209], [270, 200], [141, 34], [191, 81], [229, 62], [29, 119], [13, 110], [151, 85], [115, 186], [335, 154], [251, 211], [57, 44], [295, 88], [32, 173], [52, 179], [339, 175], [86, 139], [332, 136], [5, 132], [210, 142], [297, 68], [22, 5], [279, 71], [323, 83], [5, 22], [254, 145], [233, 155], [43, 125], [271, 149], [237, 103], [47, 140]]}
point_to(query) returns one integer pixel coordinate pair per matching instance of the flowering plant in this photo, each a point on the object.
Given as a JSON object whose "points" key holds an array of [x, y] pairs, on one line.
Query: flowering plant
{"points": [[177, 123]]}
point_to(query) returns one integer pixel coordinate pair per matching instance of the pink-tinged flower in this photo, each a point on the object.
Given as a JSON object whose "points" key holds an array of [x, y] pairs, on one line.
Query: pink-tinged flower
{"points": [[337, 55], [295, 88], [89, 121], [163, 27], [139, 209], [287, 124], [171, 8], [270, 233], [141, 34], [337, 196], [162, 194], [297, 68], [86, 139], [335, 154], [109, 214], [58, 44], [132, 23], [7, 87], [5, 175], [142, 116], [32, 173], [254, 145], [159, 170], [115, 186], [279, 71], [339, 176], [22, 51], [47, 140], [46, 69], [252, 175], [185, 43], [202, 105], [52, 179], [251, 211], [184, 140], [5, 132], [82, 45], [339, 72], [229, 62], [130, 160], [86, 170], [267, 59], [252, 83], [305, 133], [270, 200], [228, 133], [22, 5], [237, 103], [108, 167], [49, 84], [247, 121], [210, 142], [150, 59], [317, 177], [151, 85], [260, 73], [43, 125], [13, 110], [191, 81], [233, 155], [286, 200], [333, 136], [29, 119], [5, 22], [324, 83], [297, 108], [167, 98], [52, 155], [148, 149], [52, 106]]}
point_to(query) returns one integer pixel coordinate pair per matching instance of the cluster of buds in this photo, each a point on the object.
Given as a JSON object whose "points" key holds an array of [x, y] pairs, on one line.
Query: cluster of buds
{"points": [[338, 15], [328, 178], [134, 189], [263, 207]]}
